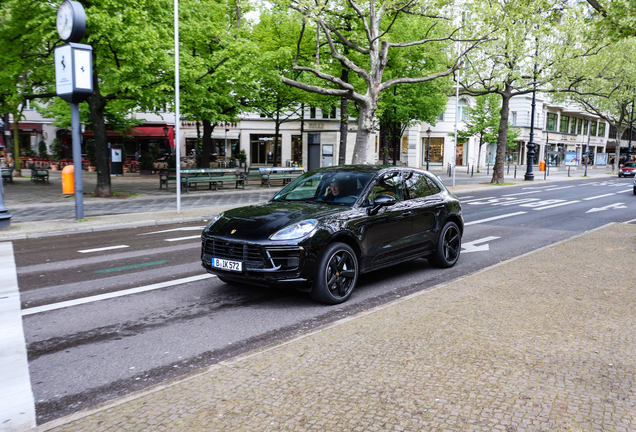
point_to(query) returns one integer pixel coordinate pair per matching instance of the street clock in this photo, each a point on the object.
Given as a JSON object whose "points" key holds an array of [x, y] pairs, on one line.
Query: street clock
{"points": [[71, 21]]}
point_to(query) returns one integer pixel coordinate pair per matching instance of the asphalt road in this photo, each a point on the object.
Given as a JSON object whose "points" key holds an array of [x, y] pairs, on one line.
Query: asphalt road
{"points": [[89, 351]]}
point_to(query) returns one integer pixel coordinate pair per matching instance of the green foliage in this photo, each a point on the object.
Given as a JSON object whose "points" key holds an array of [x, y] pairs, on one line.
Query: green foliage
{"points": [[27, 151], [57, 149], [146, 161], [242, 156], [42, 150], [171, 161]]}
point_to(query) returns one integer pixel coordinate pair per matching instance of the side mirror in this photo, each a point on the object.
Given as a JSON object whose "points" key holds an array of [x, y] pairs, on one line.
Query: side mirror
{"points": [[381, 201]]}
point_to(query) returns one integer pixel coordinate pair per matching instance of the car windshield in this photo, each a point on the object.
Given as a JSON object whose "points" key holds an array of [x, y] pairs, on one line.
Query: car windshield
{"points": [[630, 165], [328, 187]]}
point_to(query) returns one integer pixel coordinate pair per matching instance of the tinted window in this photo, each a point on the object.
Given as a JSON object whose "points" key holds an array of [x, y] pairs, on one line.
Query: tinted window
{"points": [[388, 184], [419, 186]]}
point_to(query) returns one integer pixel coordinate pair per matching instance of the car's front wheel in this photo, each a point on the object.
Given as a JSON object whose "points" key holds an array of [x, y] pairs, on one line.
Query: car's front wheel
{"points": [[449, 245], [337, 274], [634, 190]]}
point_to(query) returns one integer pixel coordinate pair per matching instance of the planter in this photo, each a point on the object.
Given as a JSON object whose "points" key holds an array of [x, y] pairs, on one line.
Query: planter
{"points": [[91, 168]]}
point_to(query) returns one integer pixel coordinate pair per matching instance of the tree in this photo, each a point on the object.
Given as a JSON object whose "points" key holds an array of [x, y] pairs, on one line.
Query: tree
{"points": [[482, 122], [505, 66], [217, 77], [617, 17], [370, 42]]}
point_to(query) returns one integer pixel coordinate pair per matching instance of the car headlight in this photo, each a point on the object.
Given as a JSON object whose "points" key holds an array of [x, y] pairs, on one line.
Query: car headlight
{"points": [[214, 219], [296, 230]]}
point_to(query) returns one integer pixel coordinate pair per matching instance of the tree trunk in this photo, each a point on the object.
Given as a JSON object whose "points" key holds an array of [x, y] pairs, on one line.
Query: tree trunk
{"points": [[276, 131], [206, 143], [96, 106], [16, 146], [344, 122], [502, 139], [365, 127], [481, 137]]}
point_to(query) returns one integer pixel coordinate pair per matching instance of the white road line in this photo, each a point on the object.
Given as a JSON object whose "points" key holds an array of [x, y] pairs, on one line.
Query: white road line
{"points": [[522, 193], [493, 218], [562, 187], [626, 190], [598, 196], [103, 249], [556, 205], [195, 228], [476, 199], [184, 238], [64, 304], [17, 406]]}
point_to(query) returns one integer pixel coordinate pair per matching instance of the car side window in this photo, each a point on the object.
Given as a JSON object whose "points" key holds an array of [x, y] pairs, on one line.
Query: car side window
{"points": [[419, 186], [387, 184]]}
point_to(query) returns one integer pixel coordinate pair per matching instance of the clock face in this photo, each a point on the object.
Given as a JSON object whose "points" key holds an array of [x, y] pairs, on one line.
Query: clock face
{"points": [[65, 21]]}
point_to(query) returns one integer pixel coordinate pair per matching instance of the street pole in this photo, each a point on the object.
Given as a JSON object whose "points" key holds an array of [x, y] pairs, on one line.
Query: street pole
{"points": [[77, 161], [5, 216], [177, 144], [529, 176], [227, 157], [587, 152], [428, 147], [631, 129]]}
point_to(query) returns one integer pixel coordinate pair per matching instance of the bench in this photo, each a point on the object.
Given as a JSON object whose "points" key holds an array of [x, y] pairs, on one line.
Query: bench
{"points": [[253, 173], [286, 174], [7, 174], [214, 176], [39, 175]]}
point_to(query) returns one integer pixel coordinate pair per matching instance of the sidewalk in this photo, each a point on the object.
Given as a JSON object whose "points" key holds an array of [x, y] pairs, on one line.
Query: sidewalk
{"points": [[542, 342], [138, 200]]}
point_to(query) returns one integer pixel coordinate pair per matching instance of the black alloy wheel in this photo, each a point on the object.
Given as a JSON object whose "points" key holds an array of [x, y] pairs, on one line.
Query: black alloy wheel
{"points": [[337, 274], [449, 245]]}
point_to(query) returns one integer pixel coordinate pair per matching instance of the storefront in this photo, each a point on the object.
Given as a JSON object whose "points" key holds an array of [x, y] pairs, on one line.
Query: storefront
{"points": [[157, 139], [262, 150]]}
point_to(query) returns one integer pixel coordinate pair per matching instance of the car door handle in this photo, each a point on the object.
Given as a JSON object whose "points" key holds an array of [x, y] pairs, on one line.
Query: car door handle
{"points": [[440, 206]]}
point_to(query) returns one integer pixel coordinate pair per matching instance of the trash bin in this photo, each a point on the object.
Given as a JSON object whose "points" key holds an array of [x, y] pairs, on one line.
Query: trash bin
{"points": [[542, 165], [68, 180]]}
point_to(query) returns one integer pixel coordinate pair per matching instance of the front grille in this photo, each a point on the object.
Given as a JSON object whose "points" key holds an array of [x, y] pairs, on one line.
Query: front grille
{"points": [[249, 254], [286, 258]]}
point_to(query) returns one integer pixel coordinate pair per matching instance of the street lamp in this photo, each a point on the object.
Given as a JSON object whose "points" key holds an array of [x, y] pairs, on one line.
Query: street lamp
{"points": [[428, 147], [227, 158], [631, 129], [529, 176]]}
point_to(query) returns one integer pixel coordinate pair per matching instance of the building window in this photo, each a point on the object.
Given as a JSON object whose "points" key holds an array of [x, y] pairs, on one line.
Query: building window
{"points": [[436, 154], [461, 111], [440, 117], [585, 122], [551, 123], [513, 118], [565, 121], [579, 127], [593, 128], [329, 113], [312, 112], [601, 129], [573, 125]]}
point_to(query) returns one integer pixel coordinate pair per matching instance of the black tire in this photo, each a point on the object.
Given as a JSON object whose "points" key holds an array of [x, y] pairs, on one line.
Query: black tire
{"points": [[449, 245], [634, 190], [337, 274]]}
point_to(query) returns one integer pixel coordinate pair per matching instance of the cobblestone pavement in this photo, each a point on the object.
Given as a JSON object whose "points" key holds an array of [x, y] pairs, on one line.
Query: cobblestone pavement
{"points": [[543, 342]]}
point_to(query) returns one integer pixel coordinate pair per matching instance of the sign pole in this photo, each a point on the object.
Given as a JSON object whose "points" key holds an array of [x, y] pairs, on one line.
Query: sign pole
{"points": [[77, 161]]}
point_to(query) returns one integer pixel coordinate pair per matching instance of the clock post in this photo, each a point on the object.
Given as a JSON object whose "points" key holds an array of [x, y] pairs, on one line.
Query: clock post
{"points": [[74, 80]]}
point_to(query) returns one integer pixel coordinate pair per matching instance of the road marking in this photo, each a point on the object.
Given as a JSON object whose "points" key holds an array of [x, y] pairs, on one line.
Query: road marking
{"points": [[556, 205], [598, 196], [103, 249], [196, 228], [17, 406], [110, 270], [476, 199], [611, 206], [184, 238], [626, 190], [472, 246], [64, 304], [522, 193], [493, 218], [562, 187]]}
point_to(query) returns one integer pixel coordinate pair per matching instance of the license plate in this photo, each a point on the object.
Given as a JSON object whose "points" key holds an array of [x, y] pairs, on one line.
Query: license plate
{"points": [[227, 264]]}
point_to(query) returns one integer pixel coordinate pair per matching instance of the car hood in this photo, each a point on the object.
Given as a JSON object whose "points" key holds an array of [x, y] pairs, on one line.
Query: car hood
{"points": [[258, 222]]}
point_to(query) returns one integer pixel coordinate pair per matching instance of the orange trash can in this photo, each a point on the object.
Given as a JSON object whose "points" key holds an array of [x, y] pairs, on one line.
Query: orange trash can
{"points": [[542, 165], [68, 180]]}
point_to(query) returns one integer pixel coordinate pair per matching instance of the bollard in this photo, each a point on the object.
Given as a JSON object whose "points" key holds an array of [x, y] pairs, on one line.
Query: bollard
{"points": [[487, 169], [68, 180], [467, 169], [472, 171], [515, 171], [508, 169], [569, 171]]}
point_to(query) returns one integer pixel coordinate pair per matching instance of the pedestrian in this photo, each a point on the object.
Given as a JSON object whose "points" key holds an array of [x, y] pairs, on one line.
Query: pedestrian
{"points": [[137, 156], [612, 161]]}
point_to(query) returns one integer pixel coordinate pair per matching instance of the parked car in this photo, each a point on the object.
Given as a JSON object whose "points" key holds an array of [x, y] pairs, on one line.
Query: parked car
{"points": [[634, 185], [324, 229], [627, 170]]}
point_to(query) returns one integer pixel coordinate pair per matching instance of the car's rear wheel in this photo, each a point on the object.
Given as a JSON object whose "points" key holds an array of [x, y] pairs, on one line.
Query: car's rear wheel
{"points": [[634, 190], [449, 245], [337, 274]]}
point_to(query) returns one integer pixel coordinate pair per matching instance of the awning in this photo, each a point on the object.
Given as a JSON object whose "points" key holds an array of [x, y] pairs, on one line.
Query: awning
{"points": [[216, 135], [141, 132], [28, 127]]}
